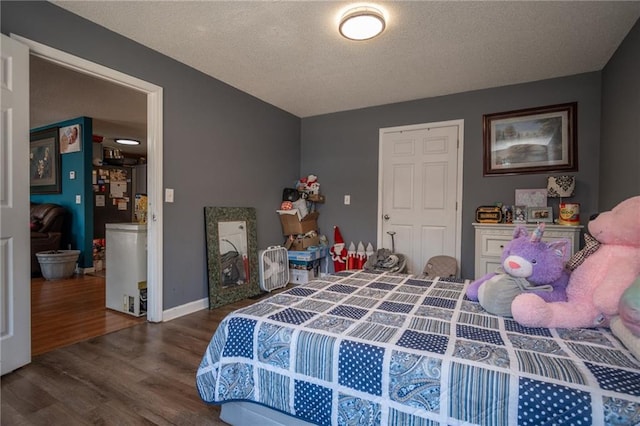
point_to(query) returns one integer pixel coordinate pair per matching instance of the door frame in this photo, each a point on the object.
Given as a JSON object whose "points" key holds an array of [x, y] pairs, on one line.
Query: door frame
{"points": [[385, 130], [154, 157]]}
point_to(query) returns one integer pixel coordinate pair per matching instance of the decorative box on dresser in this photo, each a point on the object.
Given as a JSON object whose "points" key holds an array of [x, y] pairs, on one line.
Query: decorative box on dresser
{"points": [[492, 237]]}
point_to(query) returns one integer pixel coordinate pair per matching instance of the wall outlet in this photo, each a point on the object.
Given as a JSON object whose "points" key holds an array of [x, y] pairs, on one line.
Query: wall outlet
{"points": [[78, 199], [72, 175]]}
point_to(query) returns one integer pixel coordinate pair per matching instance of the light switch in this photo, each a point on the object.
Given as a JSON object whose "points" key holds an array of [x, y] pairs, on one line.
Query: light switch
{"points": [[168, 195], [78, 199], [347, 200]]}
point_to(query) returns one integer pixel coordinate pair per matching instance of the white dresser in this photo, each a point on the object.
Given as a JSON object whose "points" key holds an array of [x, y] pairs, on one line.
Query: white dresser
{"points": [[492, 237]]}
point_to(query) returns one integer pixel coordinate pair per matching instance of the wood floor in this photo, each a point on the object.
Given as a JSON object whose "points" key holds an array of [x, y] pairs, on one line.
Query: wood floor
{"points": [[141, 375], [64, 312]]}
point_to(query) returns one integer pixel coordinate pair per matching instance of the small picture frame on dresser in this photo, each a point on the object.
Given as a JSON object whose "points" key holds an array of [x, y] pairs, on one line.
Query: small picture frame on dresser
{"points": [[519, 214], [507, 214], [539, 214]]}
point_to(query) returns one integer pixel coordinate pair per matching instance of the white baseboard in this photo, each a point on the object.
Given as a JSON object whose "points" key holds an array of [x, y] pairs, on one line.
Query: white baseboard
{"points": [[186, 309]]}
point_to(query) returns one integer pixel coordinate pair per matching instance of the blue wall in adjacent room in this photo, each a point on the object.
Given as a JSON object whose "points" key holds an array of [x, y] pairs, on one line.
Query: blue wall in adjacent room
{"points": [[81, 228]]}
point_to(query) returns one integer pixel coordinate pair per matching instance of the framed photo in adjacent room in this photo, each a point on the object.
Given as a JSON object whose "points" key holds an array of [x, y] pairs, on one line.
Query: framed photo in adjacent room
{"points": [[44, 162], [70, 139]]}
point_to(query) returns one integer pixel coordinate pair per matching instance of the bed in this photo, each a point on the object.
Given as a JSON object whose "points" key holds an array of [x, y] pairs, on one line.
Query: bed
{"points": [[361, 348]]}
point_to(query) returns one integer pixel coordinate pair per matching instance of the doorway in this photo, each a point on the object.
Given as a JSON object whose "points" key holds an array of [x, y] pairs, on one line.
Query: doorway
{"points": [[154, 157], [420, 191]]}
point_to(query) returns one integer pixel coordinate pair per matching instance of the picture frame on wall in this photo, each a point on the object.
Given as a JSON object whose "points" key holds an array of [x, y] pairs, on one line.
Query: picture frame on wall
{"points": [[70, 139], [533, 140], [44, 162], [539, 214]]}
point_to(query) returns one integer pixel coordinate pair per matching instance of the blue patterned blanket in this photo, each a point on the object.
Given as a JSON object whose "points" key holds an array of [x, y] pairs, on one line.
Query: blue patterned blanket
{"points": [[387, 349]]}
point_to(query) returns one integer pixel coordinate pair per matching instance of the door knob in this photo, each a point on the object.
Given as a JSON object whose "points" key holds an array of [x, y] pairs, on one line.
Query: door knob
{"points": [[386, 217]]}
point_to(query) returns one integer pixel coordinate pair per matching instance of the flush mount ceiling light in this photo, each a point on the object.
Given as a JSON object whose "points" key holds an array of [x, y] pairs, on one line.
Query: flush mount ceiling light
{"points": [[362, 23], [123, 141]]}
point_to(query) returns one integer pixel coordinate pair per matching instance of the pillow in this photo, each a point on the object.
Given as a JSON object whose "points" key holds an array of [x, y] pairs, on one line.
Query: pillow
{"points": [[630, 341]]}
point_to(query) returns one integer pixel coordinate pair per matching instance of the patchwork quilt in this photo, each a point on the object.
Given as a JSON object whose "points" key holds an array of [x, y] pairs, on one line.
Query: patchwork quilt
{"points": [[388, 349]]}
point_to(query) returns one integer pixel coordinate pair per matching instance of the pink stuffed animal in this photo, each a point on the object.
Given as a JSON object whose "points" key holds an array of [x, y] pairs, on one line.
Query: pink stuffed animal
{"points": [[595, 287]]}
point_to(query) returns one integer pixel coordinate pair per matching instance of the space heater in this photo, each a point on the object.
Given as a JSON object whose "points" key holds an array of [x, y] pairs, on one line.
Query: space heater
{"points": [[274, 268]]}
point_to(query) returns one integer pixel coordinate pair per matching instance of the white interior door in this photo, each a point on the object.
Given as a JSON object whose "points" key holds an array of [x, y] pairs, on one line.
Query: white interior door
{"points": [[420, 191], [15, 277]]}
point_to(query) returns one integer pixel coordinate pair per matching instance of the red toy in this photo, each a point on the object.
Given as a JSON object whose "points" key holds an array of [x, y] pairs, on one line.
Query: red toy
{"points": [[351, 256], [338, 251]]}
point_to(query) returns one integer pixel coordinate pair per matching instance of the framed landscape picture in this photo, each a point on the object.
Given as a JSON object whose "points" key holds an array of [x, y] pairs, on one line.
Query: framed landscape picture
{"points": [[534, 140]]}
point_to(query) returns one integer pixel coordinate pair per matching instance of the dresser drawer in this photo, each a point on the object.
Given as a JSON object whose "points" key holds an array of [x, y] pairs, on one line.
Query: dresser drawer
{"points": [[492, 245], [486, 265]]}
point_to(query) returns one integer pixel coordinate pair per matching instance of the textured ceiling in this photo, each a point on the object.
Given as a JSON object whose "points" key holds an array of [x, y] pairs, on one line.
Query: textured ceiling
{"points": [[290, 55], [58, 93]]}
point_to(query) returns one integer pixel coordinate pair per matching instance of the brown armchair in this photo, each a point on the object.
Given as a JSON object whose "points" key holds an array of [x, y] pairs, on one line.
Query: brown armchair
{"points": [[47, 222]]}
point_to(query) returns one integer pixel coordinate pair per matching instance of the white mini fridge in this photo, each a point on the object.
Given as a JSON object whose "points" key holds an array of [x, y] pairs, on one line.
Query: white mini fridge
{"points": [[126, 256]]}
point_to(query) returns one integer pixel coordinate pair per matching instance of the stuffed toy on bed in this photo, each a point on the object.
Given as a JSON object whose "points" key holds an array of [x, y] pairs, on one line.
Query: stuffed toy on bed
{"points": [[529, 265], [630, 308], [596, 285]]}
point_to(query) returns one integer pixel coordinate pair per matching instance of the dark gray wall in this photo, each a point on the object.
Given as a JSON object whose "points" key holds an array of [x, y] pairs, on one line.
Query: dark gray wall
{"points": [[222, 147], [342, 149], [620, 142]]}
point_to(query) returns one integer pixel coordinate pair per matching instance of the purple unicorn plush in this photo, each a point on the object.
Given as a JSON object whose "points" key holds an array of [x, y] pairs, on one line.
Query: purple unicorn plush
{"points": [[528, 265]]}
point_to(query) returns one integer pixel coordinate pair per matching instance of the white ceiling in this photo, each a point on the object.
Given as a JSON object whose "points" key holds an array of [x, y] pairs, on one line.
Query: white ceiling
{"points": [[289, 53]]}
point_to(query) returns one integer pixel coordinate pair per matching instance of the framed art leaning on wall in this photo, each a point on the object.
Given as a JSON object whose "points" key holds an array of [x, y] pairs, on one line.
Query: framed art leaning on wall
{"points": [[533, 140]]}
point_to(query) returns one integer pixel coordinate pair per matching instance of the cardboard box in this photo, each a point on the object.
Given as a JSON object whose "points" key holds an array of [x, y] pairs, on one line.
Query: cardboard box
{"points": [[316, 198], [301, 276], [299, 244], [292, 225]]}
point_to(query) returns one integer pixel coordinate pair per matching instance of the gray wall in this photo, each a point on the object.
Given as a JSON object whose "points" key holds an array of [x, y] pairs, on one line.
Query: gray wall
{"points": [[342, 149], [222, 147], [620, 142]]}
